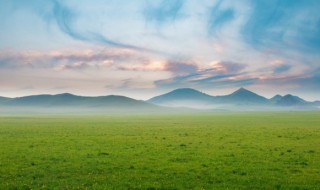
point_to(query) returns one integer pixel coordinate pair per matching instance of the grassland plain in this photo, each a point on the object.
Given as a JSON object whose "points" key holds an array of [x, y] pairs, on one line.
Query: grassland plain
{"points": [[159, 151]]}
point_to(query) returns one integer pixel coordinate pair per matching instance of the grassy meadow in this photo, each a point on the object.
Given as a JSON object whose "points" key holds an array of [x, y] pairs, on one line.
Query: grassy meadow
{"points": [[161, 151]]}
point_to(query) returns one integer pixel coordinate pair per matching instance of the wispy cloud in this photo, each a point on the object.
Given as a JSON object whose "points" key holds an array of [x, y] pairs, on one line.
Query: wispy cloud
{"points": [[147, 65], [176, 67], [181, 67], [218, 17], [69, 59], [228, 67], [220, 73], [282, 68], [164, 11], [216, 81], [284, 24], [65, 18]]}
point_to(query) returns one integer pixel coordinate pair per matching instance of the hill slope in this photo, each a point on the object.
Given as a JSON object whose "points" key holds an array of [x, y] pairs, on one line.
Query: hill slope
{"points": [[183, 97], [241, 99], [290, 100], [317, 103], [275, 99], [4, 99], [186, 97], [242, 96], [70, 101]]}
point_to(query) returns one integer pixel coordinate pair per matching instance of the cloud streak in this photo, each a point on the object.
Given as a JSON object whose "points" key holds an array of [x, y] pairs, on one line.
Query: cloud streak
{"points": [[284, 23], [220, 73], [219, 17], [228, 67], [65, 17], [282, 68], [164, 11], [79, 59], [181, 67]]}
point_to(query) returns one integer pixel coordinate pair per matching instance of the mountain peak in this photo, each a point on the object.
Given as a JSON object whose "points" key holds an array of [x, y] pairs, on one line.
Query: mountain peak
{"points": [[181, 94], [65, 94], [242, 91], [244, 96], [277, 96], [292, 97], [291, 100], [186, 90], [288, 96]]}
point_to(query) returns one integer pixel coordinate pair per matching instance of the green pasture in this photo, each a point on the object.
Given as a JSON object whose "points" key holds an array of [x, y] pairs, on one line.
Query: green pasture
{"points": [[161, 151]]}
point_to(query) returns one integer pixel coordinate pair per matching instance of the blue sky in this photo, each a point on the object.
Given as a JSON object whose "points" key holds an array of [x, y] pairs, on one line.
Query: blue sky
{"points": [[142, 48]]}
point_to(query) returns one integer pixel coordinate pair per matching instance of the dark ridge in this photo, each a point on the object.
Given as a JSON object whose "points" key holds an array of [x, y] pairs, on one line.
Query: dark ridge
{"points": [[275, 98], [70, 100], [182, 94], [243, 96], [290, 100]]}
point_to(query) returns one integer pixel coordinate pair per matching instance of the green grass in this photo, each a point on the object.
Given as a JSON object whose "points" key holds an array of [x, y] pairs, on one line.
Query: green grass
{"points": [[182, 151]]}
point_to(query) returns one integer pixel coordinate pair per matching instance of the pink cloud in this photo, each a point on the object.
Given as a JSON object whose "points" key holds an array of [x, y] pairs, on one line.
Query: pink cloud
{"points": [[226, 67], [69, 59], [181, 67], [146, 66]]}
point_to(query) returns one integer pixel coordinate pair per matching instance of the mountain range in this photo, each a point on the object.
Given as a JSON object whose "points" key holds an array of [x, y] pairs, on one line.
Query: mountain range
{"points": [[241, 99], [72, 103], [187, 97]]}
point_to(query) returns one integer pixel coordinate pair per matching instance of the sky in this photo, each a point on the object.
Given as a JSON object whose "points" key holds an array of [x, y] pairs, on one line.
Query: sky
{"points": [[142, 48]]}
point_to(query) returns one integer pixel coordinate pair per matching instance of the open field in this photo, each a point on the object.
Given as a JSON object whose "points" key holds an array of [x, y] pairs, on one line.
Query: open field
{"points": [[182, 151]]}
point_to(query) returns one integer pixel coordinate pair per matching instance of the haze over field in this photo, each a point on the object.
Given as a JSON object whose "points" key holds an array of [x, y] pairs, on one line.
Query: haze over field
{"points": [[141, 49]]}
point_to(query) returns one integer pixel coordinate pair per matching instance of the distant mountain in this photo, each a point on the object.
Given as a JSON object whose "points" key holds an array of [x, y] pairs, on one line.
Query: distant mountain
{"points": [[183, 97], [240, 100], [4, 99], [317, 103], [46, 100], [275, 99], [117, 101], [242, 96], [290, 100], [188, 97], [72, 101]]}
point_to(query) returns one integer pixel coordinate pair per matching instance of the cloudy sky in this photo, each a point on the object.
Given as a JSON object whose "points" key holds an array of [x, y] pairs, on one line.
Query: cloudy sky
{"points": [[142, 48]]}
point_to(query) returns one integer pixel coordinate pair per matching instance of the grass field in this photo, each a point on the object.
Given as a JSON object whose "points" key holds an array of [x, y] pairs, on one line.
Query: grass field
{"points": [[182, 151]]}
